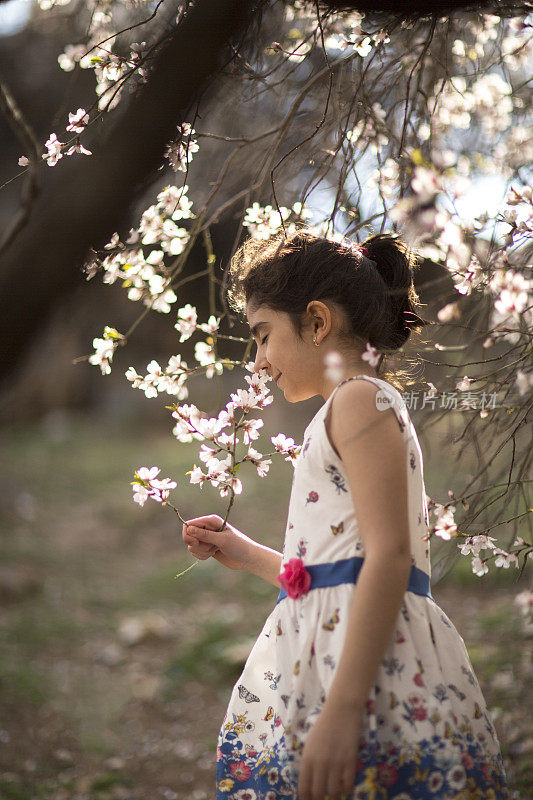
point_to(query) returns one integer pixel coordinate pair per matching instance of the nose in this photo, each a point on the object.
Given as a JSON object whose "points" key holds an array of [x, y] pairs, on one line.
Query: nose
{"points": [[261, 363]]}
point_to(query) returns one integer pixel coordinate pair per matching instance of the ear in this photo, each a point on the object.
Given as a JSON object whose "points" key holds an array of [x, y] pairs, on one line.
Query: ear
{"points": [[320, 318]]}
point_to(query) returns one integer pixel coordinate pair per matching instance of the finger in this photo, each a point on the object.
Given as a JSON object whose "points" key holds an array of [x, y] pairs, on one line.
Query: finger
{"points": [[196, 532], [305, 782], [189, 532], [195, 542], [203, 555], [348, 779], [200, 547], [211, 522], [320, 783], [204, 535], [333, 785]]}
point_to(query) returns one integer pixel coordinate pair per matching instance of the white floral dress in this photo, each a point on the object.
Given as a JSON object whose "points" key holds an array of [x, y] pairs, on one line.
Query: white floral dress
{"points": [[426, 732]]}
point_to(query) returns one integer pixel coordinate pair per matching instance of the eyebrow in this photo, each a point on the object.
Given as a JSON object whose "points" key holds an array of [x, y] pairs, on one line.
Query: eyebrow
{"points": [[254, 329]]}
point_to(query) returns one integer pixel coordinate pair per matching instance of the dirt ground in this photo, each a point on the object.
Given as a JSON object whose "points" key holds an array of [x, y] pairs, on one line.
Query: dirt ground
{"points": [[114, 677]]}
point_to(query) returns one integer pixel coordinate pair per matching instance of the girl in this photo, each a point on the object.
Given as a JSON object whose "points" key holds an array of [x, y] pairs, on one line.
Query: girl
{"points": [[358, 685]]}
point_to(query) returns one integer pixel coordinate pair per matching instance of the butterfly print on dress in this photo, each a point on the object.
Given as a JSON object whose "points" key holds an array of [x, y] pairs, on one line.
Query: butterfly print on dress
{"points": [[246, 695], [336, 478], [332, 621], [336, 529]]}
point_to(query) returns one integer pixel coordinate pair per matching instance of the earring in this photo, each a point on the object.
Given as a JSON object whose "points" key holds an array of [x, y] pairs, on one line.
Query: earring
{"points": [[315, 341]]}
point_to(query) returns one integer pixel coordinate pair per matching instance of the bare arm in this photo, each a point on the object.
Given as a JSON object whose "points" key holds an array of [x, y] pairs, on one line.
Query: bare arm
{"points": [[372, 449], [264, 562]]}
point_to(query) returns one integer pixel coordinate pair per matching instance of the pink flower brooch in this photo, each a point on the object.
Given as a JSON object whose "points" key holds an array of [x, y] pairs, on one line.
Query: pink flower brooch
{"points": [[294, 578]]}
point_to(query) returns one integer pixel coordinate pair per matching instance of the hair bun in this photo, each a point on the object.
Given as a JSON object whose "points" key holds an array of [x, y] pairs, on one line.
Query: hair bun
{"points": [[395, 262]]}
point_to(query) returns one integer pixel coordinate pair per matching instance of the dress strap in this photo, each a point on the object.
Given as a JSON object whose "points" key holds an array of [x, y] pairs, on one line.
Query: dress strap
{"points": [[379, 382]]}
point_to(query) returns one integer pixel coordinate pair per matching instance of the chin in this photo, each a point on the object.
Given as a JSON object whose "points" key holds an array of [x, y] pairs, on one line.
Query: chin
{"points": [[293, 399]]}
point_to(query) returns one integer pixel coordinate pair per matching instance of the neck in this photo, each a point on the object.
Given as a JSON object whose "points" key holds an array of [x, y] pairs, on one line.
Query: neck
{"points": [[347, 372]]}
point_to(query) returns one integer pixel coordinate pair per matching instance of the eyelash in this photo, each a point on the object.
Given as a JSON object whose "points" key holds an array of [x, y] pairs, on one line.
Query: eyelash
{"points": [[264, 340]]}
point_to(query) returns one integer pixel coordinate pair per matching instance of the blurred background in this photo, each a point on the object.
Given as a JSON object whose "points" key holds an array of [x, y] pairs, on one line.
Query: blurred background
{"points": [[114, 676]]}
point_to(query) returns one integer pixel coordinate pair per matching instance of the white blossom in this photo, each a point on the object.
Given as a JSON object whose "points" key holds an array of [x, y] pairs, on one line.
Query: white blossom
{"points": [[479, 566], [172, 379], [53, 150], [474, 544], [78, 148], [104, 349], [445, 526], [524, 382], [524, 602], [335, 364], [263, 222], [504, 559], [146, 485], [77, 121], [186, 323], [180, 153]]}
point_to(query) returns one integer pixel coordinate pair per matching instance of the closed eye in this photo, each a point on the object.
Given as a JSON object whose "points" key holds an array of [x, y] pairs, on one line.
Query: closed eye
{"points": [[264, 340]]}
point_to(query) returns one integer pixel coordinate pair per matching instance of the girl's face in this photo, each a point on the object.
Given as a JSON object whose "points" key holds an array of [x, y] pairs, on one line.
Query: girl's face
{"points": [[298, 362]]}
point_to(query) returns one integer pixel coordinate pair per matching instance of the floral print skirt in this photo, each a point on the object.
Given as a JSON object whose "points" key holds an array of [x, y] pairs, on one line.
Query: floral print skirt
{"points": [[425, 732]]}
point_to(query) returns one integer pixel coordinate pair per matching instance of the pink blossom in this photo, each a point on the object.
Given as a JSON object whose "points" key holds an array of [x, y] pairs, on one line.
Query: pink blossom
{"points": [[371, 354]]}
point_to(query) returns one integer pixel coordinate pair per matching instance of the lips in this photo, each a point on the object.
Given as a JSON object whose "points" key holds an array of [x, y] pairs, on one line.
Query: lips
{"points": [[277, 379]]}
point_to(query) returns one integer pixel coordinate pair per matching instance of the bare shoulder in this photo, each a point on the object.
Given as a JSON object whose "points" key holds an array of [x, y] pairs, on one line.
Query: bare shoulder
{"points": [[354, 418]]}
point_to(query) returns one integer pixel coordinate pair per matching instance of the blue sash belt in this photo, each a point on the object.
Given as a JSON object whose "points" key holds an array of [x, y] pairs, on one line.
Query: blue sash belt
{"points": [[347, 570]]}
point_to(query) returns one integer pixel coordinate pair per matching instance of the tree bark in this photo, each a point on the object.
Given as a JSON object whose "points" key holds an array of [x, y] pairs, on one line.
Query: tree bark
{"points": [[84, 200]]}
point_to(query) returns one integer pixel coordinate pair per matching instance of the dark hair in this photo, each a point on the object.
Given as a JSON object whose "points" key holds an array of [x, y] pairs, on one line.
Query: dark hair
{"points": [[375, 289]]}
